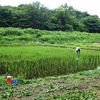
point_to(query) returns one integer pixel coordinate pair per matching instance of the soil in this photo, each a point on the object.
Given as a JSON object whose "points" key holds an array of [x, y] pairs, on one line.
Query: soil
{"points": [[46, 88]]}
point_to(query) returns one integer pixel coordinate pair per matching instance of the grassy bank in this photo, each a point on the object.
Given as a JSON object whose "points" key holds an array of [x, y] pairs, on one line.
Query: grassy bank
{"points": [[17, 36]]}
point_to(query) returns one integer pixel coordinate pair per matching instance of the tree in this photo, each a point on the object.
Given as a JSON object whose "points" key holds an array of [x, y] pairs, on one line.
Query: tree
{"points": [[92, 24], [5, 16], [80, 15], [36, 15]]}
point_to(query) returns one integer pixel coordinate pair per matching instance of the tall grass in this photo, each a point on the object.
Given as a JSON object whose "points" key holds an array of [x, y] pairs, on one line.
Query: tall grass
{"points": [[39, 61], [11, 35]]}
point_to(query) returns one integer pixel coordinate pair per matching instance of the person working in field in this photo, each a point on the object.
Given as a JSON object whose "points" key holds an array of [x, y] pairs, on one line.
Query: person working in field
{"points": [[77, 49]]}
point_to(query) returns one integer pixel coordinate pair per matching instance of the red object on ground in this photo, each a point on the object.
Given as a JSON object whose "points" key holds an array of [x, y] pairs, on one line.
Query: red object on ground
{"points": [[9, 79]]}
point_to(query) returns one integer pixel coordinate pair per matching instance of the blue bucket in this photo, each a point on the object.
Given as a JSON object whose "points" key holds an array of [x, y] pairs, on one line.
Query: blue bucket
{"points": [[14, 81]]}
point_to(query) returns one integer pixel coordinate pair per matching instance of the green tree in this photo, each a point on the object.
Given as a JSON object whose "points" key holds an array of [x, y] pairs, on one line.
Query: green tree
{"points": [[5, 16], [92, 24]]}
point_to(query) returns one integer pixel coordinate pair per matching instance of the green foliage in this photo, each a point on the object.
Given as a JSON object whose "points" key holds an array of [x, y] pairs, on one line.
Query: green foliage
{"points": [[76, 95], [37, 16], [41, 61], [66, 87], [18, 36], [92, 24], [10, 31]]}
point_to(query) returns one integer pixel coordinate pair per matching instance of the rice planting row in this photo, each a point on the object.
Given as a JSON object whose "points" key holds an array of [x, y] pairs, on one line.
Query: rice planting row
{"points": [[39, 61]]}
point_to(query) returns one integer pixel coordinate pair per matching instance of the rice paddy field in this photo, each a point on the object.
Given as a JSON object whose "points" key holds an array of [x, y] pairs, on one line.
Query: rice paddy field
{"points": [[41, 61], [49, 73], [46, 65]]}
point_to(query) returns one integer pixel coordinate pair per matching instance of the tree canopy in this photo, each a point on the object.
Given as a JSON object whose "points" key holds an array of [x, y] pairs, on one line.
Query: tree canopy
{"points": [[37, 16]]}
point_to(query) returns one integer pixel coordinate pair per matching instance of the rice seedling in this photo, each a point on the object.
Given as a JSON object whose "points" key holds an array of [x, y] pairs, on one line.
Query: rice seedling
{"points": [[40, 61]]}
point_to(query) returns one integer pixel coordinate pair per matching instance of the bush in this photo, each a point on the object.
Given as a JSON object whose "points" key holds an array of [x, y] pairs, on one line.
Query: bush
{"points": [[11, 31]]}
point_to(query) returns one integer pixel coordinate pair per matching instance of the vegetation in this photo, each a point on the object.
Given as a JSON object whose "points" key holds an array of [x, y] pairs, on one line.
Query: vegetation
{"points": [[29, 36], [38, 61], [38, 44], [37, 16], [78, 86], [46, 61]]}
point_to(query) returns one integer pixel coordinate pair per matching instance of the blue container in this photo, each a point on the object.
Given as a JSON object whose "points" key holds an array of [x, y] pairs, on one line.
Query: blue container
{"points": [[14, 81]]}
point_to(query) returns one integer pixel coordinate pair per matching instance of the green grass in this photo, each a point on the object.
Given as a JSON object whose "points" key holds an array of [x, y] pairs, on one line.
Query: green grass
{"points": [[16, 36], [41, 61], [27, 54]]}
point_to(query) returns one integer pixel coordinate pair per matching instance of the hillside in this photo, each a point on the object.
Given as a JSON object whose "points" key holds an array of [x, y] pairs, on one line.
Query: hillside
{"points": [[29, 36]]}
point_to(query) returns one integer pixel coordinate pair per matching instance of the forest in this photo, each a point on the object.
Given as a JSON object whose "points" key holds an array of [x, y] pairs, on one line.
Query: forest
{"points": [[35, 15]]}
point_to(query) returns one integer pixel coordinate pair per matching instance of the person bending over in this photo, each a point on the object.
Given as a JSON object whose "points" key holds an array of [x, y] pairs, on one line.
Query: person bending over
{"points": [[77, 49]]}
